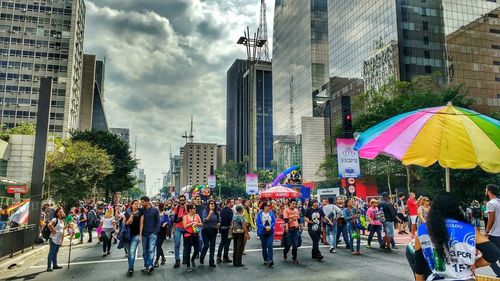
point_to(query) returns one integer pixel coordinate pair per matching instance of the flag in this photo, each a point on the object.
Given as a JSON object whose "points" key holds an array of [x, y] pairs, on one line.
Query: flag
{"points": [[21, 215]]}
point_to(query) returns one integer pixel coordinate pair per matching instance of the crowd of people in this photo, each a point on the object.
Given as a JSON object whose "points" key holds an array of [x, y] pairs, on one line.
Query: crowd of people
{"points": [[195, 225]]}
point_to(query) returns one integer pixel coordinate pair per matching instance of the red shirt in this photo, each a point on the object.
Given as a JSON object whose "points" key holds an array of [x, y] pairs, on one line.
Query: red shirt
{"points": [[180, 212], [292, 216], [412, 207]]}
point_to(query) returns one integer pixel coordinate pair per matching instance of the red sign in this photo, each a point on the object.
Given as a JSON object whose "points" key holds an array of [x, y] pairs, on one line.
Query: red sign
{"points": [[23, 189]]}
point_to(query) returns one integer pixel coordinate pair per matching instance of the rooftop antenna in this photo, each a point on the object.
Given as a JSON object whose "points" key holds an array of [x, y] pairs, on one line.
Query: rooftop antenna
{"points": [[291, 95], [189, 137], [252, 45], [135, 147], [263, 54]]}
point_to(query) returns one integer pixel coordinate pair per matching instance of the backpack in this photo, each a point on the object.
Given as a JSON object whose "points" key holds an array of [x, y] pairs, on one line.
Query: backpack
{"points": [[476, 213], [381, 214], [46, 231], [238, 226], [361, 223]]}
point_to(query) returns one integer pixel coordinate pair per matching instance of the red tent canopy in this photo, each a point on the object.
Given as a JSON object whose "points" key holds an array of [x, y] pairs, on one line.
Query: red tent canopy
{"points": [[279, 192]]}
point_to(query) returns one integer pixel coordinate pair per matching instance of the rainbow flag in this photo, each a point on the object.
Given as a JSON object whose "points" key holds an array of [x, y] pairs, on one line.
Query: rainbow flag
{"points": [[21, 215]]}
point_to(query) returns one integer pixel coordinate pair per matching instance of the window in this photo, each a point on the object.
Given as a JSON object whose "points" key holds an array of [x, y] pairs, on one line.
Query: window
{"points": [[428, 69], [496, 62], [426, 40], [425, 25], [493, 15], [496, 31], [497, 47], [427, 54], [497, 79]]}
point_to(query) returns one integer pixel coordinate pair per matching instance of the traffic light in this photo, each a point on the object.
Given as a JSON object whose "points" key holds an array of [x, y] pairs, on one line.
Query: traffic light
{"points": [[345, 103]]}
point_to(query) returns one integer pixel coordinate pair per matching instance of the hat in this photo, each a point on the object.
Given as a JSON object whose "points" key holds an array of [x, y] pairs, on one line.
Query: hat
{"points": [[385, 194]]}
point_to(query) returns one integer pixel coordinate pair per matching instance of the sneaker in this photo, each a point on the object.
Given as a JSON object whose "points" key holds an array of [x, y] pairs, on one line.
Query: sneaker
{"points": [[265, 263], [334, 251], [49, 270], [212, 266], [156, 264], [219, 261], [358, 253], [193, 263], [331, 249], [150, 269], [285, 257], [202, 261], [189, 269], [57, 267], [320, 258], [369, 246], [177, 264], [227, 261], [271, 263], [108, 253], [130, 272], [144, 270], [103, 254], [163, 260], [295, 261]]}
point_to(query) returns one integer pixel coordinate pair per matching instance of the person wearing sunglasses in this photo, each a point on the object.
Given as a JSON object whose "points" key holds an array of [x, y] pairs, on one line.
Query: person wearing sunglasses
{"points": [[179, 212], [211, 220]]}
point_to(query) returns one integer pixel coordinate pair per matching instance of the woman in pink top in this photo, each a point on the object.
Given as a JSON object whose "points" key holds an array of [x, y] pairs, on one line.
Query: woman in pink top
{"points": [[374, 223]]}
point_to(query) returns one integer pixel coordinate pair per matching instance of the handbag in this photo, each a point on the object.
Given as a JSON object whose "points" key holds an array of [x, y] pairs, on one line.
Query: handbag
{"points": [[267, 232]]}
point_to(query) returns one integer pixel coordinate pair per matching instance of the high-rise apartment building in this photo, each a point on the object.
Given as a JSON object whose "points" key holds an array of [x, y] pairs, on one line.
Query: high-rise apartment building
{"points": [[41, 39], [199, 160], [123, 133], [249, 130], [300, 69], [372, 41]]}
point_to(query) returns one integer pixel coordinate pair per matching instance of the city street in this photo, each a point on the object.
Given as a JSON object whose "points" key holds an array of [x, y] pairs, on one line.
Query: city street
{"points": [[87, 264]]}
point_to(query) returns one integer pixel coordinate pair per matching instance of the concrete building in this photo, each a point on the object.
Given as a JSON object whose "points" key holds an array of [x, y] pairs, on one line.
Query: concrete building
{"points": [[473, 53], [300, 69], [221, 156], [249, 130], [92, 111], [123, 133], [175, 172], [41, 39], [141, 176], [199, 160]]}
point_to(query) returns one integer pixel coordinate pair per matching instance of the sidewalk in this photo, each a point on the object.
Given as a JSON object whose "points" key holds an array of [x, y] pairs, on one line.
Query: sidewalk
{"points": [[11, 266]]}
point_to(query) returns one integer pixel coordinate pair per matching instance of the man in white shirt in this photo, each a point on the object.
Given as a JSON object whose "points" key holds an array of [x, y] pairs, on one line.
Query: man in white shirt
{"points": [[332, 212], [493, 227]]}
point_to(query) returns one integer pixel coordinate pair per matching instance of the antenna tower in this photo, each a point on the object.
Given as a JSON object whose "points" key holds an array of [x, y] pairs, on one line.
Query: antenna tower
{"points": [[252, 45], [263, 54], [291, 94], [189, 137]]}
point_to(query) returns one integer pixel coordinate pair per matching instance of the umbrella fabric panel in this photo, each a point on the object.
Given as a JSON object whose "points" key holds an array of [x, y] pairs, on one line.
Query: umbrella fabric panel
{"points": [[490, 126]]}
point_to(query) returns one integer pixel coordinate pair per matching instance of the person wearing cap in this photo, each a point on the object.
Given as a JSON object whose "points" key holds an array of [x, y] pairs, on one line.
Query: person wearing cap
{"points": [[374, 225], [387, 207]]}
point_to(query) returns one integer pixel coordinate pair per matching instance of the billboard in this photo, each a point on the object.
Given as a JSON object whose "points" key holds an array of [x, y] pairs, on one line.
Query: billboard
{"points": [[252, 184], [348, 159]]}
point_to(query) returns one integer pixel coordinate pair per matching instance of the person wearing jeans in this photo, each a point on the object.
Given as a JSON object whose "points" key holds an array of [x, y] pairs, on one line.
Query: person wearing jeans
{"points": [[162, 235], [292, 216], [133, 220], [226, 217], [82, 223], [314, 218], [179, 212], [150, 222], [57, 228], [352, 232], [265, 229], [375, 225], [211, 218]]}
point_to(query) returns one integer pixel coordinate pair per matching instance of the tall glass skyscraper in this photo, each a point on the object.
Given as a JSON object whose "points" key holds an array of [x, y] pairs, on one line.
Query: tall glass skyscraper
{"points": [[374, 40], [300, 69]]}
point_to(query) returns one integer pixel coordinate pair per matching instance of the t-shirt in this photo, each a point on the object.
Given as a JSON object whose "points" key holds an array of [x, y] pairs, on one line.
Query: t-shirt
{"points": [[136, 223], [412, 207], [332, 211], [292, 216], [180, 211], [373, 213], [316, 216], [238, 222], [401, 206], [494, 206], [107, 223], [59, 228]]}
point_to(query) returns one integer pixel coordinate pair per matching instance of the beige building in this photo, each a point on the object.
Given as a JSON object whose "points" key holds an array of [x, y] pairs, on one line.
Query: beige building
{"points": [[474, 60], [199, 160]]}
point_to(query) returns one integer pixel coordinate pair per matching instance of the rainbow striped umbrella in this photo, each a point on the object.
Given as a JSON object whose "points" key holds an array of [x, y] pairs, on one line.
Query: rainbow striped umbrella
{"points": [[457, 138]]}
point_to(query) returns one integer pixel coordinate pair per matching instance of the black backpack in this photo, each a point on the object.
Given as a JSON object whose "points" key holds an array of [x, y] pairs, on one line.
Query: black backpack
{"points": [[476, 212], [46, 231]]}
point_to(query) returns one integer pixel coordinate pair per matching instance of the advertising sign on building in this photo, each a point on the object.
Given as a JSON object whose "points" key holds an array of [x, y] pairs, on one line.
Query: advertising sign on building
{"points": [[22, 189], [252, 182], [212, 181], [348, 159]]}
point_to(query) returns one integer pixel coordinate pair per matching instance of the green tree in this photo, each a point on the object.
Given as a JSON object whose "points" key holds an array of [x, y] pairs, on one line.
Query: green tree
{"points": [[120, 179], [20, 129], [73, 170]]}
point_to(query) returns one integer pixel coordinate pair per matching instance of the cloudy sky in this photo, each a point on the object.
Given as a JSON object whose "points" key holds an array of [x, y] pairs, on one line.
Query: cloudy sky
{"points": [[165, 61]]}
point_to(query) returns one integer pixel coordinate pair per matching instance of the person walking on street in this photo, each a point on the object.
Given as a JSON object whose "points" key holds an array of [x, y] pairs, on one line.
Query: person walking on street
{"points": [[192, 223], [226, 218], [199, 211], [57, 228], [133, 220], [240, 233], [314, 218], [341, 224], [162, 235], [265, 230], [387, 207], [423, 211], [413, 212], [108, 226], [401, 214], [178, 228], [211, 220], [247, 213], [493, 227], [375, 226], [91, 220], [350, 216], [291, 215], [332, 212], [81, 222], [150, 221]]}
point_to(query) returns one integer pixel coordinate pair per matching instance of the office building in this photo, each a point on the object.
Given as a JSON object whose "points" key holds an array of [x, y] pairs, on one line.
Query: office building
{"points": [[123, 133], [199, 160], [41, 39], [141, 176], [175, 172], [404, 39], [92, 114], [300, 69], [473, 53], [249, 130], [221, 156]]}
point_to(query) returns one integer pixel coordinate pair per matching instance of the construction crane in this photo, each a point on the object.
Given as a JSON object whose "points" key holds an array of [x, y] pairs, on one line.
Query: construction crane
{"points": [[189, 137], [263, 54]]}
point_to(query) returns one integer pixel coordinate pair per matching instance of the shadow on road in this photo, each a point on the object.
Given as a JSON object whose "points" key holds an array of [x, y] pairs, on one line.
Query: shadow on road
{"points": [[31, 276]]}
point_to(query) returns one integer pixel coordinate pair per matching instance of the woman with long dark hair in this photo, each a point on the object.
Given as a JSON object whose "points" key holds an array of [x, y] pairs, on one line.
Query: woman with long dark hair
{"points": [[57, 228], [133, 219], [192, 224], [162, 235], [211, 220], [446, 244]]}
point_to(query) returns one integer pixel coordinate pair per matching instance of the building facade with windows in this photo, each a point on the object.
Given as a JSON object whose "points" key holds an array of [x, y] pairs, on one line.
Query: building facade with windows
{"points": [[123, 133], [199, 160], [300, 69]]}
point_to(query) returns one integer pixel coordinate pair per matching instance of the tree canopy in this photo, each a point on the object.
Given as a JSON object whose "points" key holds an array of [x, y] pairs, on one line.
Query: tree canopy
{"points": [[20, 129]]}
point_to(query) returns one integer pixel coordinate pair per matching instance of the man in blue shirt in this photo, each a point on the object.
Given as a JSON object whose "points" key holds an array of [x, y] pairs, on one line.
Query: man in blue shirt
{"points": [[150, 222]]}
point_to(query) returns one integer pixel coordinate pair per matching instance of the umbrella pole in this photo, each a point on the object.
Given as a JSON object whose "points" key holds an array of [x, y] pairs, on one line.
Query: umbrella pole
{"points": [[447, 170]]}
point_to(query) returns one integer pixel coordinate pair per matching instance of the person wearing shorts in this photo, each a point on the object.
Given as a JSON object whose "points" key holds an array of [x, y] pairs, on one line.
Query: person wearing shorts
{"points": [[413, 212]]}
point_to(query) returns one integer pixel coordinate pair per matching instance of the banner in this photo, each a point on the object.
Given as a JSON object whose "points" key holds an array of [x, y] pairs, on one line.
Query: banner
{"points": [[212, 180], [23, 189], [252, 181], [348, 159]]}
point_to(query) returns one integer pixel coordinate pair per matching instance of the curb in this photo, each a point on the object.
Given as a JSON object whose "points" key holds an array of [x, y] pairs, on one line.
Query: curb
{"points": [[20, 260]]}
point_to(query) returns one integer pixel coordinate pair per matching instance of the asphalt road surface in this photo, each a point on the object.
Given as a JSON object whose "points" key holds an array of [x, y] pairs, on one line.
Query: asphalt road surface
{"points": [[88, 264]]}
